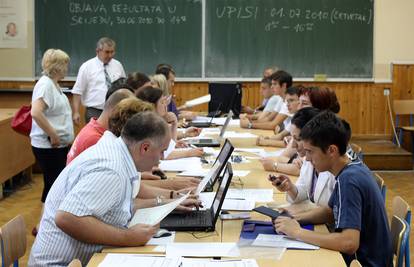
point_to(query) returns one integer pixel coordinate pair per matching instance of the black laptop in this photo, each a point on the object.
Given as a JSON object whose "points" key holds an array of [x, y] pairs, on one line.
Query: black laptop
{"points": [[205, 124], [219, 164], [211, 142], [201, 220]]}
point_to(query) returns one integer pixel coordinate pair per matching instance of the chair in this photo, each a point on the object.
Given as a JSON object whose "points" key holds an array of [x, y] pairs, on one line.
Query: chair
{"points": [[401, 108], [13, 241], [75, 263], [381, 185], [358, 151], [400, 231], [355, 263], [402, 210]]}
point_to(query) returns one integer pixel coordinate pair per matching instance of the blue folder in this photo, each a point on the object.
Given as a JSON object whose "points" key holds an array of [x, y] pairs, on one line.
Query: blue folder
{"points": [[252, 228]]}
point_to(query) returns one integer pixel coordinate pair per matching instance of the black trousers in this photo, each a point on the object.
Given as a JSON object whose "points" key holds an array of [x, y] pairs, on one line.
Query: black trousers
{"points": [[52, 161], [91, 112]]}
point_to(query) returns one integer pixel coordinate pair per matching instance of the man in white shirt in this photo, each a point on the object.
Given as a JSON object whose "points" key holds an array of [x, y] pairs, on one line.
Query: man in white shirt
{"points": [[94, 78]]}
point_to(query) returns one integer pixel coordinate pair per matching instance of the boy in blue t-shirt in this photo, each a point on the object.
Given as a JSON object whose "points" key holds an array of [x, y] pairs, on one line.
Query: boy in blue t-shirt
{"points": [[356, 207]]}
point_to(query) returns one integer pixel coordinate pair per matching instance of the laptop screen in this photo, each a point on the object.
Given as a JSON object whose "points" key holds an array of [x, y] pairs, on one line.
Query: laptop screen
{"points": [[221, 160], [226, 123], [222, 190]]}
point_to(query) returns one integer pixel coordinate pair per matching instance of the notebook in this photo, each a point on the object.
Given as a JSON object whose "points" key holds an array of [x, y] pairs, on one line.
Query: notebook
{"points": [[202, 220], [210, 142]]}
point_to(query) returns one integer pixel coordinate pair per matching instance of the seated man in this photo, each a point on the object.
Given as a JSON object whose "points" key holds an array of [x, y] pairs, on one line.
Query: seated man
{"points": [[267, 92], [356, 206], [278, 140], [92, 201], [270, 118]]}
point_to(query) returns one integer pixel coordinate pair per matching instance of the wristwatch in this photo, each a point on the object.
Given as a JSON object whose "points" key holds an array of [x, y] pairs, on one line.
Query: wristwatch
{"points": [[250, 125], [275, 166], [158, 200]]}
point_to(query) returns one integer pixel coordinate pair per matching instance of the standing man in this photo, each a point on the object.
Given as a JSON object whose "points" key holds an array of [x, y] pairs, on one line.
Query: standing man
{"points": [[94, 79]]}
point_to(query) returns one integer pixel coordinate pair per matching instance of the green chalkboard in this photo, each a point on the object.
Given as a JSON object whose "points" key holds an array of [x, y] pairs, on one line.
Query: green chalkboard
{"points": [[304, 37], [241, 37], [147, 32]]}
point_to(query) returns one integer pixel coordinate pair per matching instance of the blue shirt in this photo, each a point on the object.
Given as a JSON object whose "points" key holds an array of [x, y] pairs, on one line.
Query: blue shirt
{"points": [[100, 182], [357, 204]]}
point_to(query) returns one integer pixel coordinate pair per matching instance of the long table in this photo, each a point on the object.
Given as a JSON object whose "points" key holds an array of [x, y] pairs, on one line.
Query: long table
{"points": [[229, 231], [15, 149]]}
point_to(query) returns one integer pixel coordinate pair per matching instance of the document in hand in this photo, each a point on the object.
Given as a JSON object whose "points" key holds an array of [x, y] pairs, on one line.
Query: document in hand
{"points": [[154, 215], [197, 101]]}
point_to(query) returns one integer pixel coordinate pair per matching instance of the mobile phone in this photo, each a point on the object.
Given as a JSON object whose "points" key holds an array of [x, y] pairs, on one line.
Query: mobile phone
{"points": [[275, 178], [270, 212]]}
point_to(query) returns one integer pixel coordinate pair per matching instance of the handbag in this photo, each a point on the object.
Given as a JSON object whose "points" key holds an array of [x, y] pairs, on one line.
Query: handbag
{"points": [[22, 120]]}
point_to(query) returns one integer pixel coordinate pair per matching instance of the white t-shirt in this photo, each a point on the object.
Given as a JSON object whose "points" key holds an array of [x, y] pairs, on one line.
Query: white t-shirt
{"points": [[58, 113], [91, 83], [285, 111], [274, 104]]}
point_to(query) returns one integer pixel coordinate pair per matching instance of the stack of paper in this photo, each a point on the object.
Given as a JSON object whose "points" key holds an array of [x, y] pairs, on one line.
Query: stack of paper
{"points": [[263, 240]]}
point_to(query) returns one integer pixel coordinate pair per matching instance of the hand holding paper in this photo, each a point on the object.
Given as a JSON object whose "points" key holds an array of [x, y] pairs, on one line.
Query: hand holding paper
{"points": [[154, 215]]}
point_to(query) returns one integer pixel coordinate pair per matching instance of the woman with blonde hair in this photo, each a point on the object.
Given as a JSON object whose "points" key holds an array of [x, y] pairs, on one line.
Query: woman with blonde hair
{"points": [[52, 128], [159, 81]]}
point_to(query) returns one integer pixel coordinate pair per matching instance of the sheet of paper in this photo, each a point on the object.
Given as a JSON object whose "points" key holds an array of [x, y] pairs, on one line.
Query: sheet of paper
{"points": [[133, 260], [202, 185], [190, 262], [276, 153], [154, 215], [257, 195], [198, 101], [201, 119], [234, 122], [162, 241], [231, 134], [263, 240], [219, 121], [211, 130], [179, 165], [203, 172], [170, 148], [206, 249], [256, 151], [229, 204]]}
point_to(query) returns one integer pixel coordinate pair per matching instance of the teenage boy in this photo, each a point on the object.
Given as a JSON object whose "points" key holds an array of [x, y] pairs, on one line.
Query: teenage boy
{"points": [[356, 206], [270, 118]]}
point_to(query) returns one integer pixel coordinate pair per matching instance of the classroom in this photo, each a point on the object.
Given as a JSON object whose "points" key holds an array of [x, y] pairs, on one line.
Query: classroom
{"points": [[185, 65]]}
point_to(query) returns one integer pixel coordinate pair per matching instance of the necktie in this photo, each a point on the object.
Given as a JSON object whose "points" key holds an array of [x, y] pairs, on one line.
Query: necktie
{"points": [[107, 78]]}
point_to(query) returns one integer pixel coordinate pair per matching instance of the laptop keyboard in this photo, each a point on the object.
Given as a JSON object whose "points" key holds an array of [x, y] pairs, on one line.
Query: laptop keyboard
{"points": [[196, 218]]}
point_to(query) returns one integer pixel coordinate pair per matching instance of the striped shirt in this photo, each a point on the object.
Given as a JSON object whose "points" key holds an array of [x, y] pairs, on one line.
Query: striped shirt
{"points": [[101, 182]]}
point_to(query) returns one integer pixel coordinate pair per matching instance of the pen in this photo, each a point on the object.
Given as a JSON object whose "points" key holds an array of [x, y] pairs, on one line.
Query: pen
{"points": [[236, 198]]}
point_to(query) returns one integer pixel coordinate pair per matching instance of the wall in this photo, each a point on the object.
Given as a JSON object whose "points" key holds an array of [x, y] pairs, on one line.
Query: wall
{"points": [[393, 41]]}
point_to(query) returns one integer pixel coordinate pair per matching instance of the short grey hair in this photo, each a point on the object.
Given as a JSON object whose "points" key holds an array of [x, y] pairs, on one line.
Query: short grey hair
{"points": [[146, 125], [105, 41]]}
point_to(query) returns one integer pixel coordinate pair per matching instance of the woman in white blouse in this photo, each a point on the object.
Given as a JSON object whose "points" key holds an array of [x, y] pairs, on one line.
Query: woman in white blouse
{"points": [[52, 128]]}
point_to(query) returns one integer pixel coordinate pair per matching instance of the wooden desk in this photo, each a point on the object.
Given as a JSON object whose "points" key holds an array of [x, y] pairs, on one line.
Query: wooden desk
{"points": [[16, 153], [231, 229]]}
